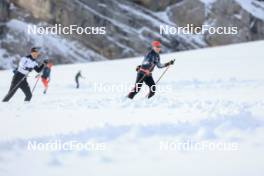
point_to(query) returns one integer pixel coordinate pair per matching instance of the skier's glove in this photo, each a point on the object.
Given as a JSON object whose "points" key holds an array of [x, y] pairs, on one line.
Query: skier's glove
{"points": [[138, 68], [45, 61], [169, 63]]}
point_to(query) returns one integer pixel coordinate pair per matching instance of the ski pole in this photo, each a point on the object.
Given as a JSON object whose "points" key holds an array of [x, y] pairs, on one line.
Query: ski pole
{"points": [[38, 77], [163, 73]]}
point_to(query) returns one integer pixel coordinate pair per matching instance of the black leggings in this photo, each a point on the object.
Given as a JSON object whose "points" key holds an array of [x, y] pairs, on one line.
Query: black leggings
{"points": [[77, 83], [139, 82], [19, 81]]}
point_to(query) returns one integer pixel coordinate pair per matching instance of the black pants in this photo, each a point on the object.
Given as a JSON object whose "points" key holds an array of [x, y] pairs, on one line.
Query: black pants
{"points": [[139, 82], [77, 83], [19, 81]]}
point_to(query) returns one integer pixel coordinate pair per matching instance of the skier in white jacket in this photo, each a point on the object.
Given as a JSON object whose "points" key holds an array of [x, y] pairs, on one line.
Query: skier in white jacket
{"points": [[26, 65]]}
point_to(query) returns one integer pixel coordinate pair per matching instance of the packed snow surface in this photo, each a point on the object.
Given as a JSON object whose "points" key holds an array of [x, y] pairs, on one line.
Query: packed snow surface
{"points": [[210, 95]]}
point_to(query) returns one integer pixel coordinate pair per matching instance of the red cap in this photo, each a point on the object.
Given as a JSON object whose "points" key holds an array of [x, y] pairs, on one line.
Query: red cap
{"points": [[155, 44]]}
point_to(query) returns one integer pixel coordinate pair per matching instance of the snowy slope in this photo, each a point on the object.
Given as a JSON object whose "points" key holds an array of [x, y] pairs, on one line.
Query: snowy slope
{"points": [[213, 95]]}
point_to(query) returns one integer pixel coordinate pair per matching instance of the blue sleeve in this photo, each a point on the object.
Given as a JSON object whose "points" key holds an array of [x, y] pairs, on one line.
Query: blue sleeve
{"points": [[158, 64]]}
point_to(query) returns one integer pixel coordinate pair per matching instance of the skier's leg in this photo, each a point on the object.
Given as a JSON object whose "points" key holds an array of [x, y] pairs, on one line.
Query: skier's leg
{"points": [[13, 87], [77, 83], [43, 80], [152, 86], [46, 86], [45, 83], [138, 85], [26, 89]]}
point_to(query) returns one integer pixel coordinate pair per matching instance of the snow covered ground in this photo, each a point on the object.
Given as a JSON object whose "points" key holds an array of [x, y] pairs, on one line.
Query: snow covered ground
{"points": [[214, 96]]}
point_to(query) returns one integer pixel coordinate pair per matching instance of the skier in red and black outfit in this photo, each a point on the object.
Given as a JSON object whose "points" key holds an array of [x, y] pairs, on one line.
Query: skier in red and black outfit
{"points": [[144, 74], [45, 76]]}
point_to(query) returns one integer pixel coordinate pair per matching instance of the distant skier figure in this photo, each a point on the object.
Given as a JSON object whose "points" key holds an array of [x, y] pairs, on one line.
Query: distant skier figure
{"points": [[45, 76], [77, 77], [144, 70], [26, 65]]}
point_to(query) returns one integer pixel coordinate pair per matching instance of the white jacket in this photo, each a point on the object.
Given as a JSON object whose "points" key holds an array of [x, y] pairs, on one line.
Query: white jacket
{"points": [[26, 64]]}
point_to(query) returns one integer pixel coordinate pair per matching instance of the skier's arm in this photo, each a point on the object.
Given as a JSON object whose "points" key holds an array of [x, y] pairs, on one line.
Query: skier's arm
{"points": [[82, 76], [39, 68], [160, 65], [169, 63]]}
